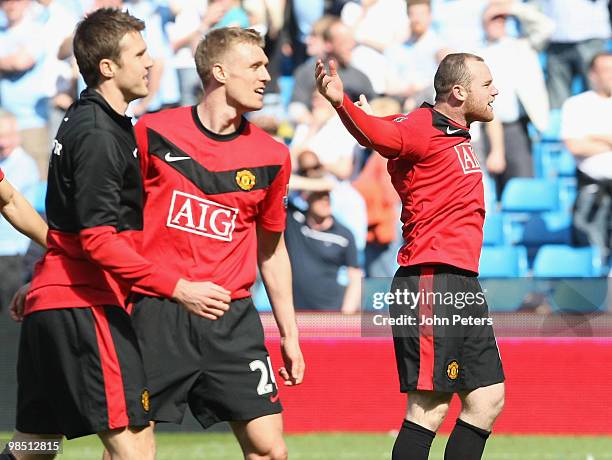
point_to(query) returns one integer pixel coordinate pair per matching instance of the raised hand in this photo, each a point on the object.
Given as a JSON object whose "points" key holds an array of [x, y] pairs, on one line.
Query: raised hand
{"points": [[329, 84]]}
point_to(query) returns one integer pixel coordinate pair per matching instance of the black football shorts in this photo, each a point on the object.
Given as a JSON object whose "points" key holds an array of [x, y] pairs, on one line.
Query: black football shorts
{"points": [[443, 335], [80, 372], [220, 368]]}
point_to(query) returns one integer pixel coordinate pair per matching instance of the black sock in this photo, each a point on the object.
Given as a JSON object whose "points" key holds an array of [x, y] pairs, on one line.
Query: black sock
{"points": [[466, 442], [413, 442]]}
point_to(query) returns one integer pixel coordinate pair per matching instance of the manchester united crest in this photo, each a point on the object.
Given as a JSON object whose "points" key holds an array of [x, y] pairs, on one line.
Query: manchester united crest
{"points": [[452, 371], [144, 399], [245, 179]]}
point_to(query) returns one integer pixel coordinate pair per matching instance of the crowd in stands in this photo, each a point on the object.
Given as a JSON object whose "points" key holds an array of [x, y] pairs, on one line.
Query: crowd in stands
{"points": [[551, 61]]}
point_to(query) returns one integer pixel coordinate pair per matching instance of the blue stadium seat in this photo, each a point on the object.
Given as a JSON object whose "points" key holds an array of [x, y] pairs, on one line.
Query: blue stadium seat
{"points": [[285, 85], [553, 159], [556, 261], [503, 262], [490, 193], [535, 229], [553, 131], [525, 194], [494, 230]]}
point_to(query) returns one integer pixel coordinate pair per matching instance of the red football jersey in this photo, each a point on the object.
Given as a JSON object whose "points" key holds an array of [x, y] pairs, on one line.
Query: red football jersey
{"points": [[438, 178], [205, 193]]}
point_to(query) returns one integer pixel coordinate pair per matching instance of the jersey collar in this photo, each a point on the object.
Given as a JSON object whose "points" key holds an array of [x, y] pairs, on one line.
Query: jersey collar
{"points": [[91, 95], [442, 123], [211, 134]]}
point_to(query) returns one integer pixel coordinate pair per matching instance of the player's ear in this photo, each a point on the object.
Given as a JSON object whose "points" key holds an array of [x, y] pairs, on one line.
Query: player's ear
{"points": [[219, 73], [459, 92], [107, 68]]}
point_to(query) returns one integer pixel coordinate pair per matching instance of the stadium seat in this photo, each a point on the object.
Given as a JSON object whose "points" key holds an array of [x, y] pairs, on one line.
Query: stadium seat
{"points": [[503, 262], [536, 229], [285, 85], [556, 261], [525, 194], [553, 159], [490, 192], [494, 230], [553, 131]]}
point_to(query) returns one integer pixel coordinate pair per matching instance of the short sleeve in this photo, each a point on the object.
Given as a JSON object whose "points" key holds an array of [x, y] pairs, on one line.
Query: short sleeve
{"points": [[273, 210], [98, 180]]}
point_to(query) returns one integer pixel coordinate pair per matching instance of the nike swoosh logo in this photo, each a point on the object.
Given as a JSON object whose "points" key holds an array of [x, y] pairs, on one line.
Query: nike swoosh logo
{"points": [[451, 131], [169, 158]]}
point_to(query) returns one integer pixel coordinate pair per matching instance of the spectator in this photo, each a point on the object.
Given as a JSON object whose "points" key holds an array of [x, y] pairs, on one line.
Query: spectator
{"points": [[299, 108], [163, 78], [520, 80], [191, 21], [414, 63], [582, 27], [319, 247], [459, 22], [267, 17], [57, 22], [586, 129], [338, 44], [302, 16], [22, 56], [376, 25], [23, 171], [326, 137], [235, 15]]}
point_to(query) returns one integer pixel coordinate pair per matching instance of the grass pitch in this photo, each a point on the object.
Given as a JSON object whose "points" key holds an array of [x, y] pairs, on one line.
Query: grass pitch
{"points": [[344, 446]]}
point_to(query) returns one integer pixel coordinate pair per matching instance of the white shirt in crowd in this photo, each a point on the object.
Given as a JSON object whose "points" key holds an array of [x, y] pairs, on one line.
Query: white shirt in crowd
{"points": [[589, 114]]}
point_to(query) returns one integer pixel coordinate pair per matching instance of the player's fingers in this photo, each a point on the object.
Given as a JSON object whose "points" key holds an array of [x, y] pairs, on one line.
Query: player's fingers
{"points": [[218, 304], [333, 71], [213, 311], [221, 297], [220, 289], [297, 371], [284, 375], [207, 316]]}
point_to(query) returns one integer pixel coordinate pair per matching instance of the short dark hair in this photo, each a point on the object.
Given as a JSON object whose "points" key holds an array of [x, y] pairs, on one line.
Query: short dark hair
{"points": [[97, 37], [217, 42], [453, 70], [601, 54]]}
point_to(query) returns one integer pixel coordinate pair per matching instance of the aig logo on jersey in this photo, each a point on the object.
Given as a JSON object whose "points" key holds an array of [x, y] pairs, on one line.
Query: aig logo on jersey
{"points": [[201, 217], [467, 158]]}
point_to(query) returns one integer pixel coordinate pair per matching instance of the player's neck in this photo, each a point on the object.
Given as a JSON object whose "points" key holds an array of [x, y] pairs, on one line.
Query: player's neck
{"points": [[217, 117], [113, 96], [319, 223], [453, 113]]}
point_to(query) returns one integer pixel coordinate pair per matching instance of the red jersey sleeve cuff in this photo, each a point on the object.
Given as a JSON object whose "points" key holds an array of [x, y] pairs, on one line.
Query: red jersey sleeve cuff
{"points": [[162, 283]]}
